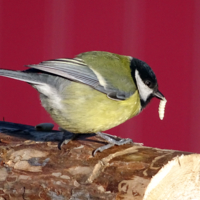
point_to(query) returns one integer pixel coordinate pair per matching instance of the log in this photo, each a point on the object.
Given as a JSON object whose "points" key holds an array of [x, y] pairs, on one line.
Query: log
{"points": [[32, 167]]}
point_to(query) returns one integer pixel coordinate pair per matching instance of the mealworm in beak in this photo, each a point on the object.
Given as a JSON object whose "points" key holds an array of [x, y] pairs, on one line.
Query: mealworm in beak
{"points": [[161, 109]]}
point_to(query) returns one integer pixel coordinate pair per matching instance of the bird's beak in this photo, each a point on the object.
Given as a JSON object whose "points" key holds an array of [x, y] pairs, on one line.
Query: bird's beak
{"points": [[159, 95]]}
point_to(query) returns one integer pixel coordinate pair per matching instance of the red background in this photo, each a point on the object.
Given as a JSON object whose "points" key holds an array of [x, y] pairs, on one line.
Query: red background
{"points": [[165, 34]]}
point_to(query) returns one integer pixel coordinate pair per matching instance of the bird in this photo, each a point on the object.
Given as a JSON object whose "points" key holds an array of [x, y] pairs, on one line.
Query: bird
{"points": [[92, 92]]}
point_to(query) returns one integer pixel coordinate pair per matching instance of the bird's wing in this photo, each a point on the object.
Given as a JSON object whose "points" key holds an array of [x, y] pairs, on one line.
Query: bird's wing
{"points": [[103, 76]]}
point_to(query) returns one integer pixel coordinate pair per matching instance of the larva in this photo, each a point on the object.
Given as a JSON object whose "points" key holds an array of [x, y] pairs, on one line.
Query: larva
{"points": [[161, 109]]}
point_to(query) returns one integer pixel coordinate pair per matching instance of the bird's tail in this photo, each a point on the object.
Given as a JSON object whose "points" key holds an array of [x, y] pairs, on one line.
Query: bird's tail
{"points": [[31, 78]]}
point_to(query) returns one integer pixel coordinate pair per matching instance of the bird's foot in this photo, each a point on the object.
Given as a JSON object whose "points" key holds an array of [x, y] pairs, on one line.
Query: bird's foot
{"points": [[67, 137], [112, 140]]}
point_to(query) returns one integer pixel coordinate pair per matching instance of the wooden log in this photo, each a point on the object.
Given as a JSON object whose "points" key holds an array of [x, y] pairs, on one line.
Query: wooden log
{"points": [[32, 167]]}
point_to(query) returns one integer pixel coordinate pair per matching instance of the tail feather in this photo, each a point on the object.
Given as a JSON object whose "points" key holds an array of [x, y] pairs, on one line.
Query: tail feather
{"points": [[22, 76], [45, 83]]}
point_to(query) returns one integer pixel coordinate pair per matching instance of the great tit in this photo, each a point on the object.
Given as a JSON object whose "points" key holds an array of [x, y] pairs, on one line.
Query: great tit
{"points": [[92, 92]]}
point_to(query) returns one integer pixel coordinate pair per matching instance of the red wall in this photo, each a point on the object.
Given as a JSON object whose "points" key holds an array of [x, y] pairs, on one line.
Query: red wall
{"points": [[165, 34]]}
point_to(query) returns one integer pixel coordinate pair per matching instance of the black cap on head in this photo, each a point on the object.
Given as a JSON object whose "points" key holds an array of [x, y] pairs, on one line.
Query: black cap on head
{"points": [[146, 82]]}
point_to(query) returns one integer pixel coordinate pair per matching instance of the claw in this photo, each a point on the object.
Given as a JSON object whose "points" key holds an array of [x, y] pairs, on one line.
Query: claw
{"points": [[102, 148], [111, 142], [66, 139]]}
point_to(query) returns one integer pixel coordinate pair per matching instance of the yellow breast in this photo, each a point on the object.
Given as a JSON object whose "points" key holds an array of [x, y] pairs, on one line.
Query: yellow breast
{"points": [[85, 110]]}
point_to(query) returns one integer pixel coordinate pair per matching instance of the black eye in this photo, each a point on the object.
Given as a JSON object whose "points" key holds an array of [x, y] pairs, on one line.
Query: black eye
{"points": [[148, 83]]}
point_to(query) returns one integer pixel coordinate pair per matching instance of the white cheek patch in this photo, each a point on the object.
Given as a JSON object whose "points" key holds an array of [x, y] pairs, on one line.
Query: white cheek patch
{"points": [[161, 109], [144, 90]]}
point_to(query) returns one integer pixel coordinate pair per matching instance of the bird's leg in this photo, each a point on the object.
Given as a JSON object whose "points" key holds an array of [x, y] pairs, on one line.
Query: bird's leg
{"points": [[67, 137], [112, 141], [112, 136]]}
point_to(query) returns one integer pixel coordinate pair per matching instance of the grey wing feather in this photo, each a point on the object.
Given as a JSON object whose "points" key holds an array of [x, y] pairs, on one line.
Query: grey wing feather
{"points": [[72, 69]]}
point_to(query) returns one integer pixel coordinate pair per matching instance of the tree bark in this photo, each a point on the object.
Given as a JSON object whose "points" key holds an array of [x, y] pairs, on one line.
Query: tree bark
{"points": [[32, 167]]}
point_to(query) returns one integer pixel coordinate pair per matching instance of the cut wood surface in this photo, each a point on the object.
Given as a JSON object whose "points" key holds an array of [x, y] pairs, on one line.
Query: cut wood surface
{"points": [[32, 167]]}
